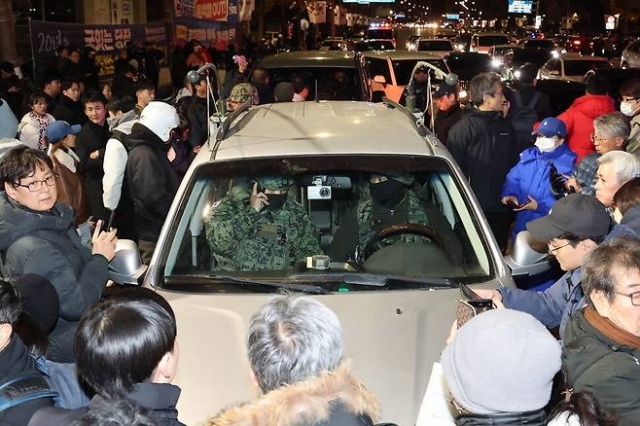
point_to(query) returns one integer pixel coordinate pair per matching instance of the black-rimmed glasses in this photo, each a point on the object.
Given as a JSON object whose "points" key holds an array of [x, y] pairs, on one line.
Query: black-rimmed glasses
{"points": [[36, 185], [635, 297]]}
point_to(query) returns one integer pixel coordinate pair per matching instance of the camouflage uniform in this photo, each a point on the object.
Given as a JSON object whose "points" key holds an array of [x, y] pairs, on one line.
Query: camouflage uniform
{"points": [[373, 217], [243, 239]]}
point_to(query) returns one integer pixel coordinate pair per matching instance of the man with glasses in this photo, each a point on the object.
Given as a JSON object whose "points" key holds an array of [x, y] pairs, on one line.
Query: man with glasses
{"points": [[574, 227], [602, 342], [37, 236], [630, 106], [485, 147]]}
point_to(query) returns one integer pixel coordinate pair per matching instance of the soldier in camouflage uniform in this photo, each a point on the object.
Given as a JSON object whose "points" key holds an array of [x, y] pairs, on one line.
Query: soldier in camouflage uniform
{"points": [[391, 203], [264, 229]]}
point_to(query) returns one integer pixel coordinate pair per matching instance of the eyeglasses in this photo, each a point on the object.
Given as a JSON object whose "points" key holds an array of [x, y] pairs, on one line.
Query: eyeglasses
{"points": [[497, 93], [635, 297], [595, 138], [36, 185], [552, 248]]}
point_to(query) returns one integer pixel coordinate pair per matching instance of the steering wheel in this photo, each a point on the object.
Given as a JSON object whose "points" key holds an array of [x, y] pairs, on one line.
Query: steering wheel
{"points": [[374, 244]]}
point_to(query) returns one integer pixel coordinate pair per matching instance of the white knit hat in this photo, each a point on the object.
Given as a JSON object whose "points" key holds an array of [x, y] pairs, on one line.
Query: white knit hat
{"points": [[502, 361]]}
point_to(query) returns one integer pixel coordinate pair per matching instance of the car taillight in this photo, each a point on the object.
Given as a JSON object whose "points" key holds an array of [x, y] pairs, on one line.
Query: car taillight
{"points": [[577, 42]]}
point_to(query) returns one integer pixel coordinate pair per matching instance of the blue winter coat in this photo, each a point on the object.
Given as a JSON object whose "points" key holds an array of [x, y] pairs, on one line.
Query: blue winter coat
{"points": [[531, 177]]}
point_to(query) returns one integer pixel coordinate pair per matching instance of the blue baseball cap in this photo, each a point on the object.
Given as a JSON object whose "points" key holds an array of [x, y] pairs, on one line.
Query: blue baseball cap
{"points": [[58, 130], [552, 127]]}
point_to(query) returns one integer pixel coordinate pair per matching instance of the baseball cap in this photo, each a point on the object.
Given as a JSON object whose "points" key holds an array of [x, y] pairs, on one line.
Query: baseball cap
{"points": [[160, 118], [445, 89], [577, 214], [552, 127], [58, 130], [498, 354]]}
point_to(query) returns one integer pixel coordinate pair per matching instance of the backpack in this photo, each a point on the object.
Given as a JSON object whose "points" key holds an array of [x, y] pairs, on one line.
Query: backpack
{"points": [[523, 119]]}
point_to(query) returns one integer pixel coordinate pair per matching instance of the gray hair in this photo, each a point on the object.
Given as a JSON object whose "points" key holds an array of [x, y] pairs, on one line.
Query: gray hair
{"points": [[625, 165], [621, 255], [291, 339], [613, 125], [483, 84]]}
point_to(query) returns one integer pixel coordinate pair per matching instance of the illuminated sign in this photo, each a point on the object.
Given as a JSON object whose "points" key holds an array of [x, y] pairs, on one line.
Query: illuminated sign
{"points": [[520, 6]]}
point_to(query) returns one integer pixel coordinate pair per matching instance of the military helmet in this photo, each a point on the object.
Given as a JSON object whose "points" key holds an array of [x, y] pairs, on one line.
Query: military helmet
{"points": [[275, 182], [242, 92]]}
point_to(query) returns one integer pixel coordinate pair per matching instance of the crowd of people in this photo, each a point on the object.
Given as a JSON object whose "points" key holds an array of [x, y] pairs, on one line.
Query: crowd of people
{"points": [[91, 163]]}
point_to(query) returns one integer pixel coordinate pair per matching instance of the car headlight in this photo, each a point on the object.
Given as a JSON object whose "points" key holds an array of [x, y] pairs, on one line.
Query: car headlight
{"points": [[462, 94], [517, 74], [555, 54], [496, 63]]}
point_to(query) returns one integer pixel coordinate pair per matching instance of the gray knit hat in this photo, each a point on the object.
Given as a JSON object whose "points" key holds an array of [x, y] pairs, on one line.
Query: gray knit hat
{"points": [[502, 361]]}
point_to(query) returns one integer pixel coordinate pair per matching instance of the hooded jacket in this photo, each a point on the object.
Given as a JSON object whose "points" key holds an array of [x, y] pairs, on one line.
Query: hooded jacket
{"points": [[594, 362], [152, 181], [531, 177], [47, 244], [484, 146], [334, 398], [93, 137], [579, 121]]}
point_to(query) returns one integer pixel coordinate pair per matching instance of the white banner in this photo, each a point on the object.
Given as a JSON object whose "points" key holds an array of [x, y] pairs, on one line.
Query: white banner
{"points": [[317, 12]]}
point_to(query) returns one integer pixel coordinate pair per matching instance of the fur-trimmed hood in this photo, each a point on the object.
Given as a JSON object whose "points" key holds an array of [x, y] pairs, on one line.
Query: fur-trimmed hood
{"points": [[305, 403]]}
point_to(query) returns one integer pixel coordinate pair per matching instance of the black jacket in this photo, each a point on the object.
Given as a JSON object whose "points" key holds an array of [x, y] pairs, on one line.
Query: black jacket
{"points": [[52, 102], [196, 108], [123, 86], [542, 106], [70, 111], [92, 138], [445, 120], [152, 181], [159, 398], [485, 148], [15, 362], [47, 244]]}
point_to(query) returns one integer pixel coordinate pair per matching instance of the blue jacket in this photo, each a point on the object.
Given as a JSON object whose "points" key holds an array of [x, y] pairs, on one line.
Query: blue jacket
{"points": [[552, 307], [531, 177]]}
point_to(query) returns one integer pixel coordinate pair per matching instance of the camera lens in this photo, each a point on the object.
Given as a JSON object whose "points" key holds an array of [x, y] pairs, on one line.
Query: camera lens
{"points": [[325, 193]]}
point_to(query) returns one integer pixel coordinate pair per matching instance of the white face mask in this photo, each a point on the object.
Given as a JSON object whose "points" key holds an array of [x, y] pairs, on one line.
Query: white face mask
{"points": [[546, 144], [627, 109]]}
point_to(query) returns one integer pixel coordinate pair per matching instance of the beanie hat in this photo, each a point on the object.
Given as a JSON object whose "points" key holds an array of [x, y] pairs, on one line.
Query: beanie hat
{"points": [[39, 300], [160, 118], [501, 361]]}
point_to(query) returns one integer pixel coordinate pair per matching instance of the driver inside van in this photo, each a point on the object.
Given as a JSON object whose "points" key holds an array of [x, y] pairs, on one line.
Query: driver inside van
{"points": [[390, 203], [262, 228]]}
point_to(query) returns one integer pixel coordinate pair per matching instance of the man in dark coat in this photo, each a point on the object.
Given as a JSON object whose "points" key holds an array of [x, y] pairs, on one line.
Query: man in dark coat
{"points": [[37, 236], [90, 145], [307, 383], [484, 145], [51, 88], [70, 109], [449, 111], [152, 181]]}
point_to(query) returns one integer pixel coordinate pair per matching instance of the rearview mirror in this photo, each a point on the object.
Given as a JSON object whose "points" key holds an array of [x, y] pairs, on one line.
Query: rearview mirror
{"points": [[529, 257], [126, 267]]}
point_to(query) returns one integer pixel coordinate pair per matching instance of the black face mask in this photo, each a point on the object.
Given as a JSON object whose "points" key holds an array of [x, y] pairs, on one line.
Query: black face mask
{"points": [[276, 201], [388, 193]]}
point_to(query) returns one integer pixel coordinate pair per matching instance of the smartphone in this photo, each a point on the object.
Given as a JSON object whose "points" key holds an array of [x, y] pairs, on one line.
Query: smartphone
{"points": [[515, 205], [259, 189], [471, 305], [107, 224]]}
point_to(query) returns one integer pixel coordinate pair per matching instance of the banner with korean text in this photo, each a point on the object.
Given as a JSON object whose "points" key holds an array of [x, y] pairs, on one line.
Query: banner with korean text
{"points": [[106, 39], [210, 21]]}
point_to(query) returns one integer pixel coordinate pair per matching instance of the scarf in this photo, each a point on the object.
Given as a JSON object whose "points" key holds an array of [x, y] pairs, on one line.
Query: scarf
{"points": [[609, 329], [43, 122]]}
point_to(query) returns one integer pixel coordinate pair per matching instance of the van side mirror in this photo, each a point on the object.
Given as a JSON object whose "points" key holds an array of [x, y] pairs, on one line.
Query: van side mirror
{"points": [[126, 267], [529, 257]]}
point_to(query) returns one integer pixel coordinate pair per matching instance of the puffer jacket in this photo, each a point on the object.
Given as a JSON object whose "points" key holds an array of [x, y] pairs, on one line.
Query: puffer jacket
{"points": [[47, 244], [152, 181], [594, 362], [484, 146], [579, 121], [531, 177]]}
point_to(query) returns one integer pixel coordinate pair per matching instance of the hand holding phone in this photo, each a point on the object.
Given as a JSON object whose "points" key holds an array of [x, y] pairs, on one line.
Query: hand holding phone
{"points": [[471, 306]]}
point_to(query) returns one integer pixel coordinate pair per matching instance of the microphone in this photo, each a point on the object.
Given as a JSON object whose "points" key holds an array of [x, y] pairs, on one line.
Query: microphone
{"points": [[205, 67]]}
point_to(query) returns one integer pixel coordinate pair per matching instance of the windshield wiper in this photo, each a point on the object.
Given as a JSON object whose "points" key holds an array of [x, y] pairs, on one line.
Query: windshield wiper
{"points": [[374, 280], [304, 288]]}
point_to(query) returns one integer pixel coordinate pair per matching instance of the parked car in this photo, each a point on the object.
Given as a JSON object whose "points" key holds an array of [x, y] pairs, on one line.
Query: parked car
{"points": [[396, 302], [374, 44], [571, 67], [319, 70], [481, 42], [631, 55], [390, 71], [435, 46], [468, 64]]}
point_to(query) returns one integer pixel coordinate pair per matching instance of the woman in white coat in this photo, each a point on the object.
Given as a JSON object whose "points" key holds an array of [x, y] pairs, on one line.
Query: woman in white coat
{"points": [[33, 124]]}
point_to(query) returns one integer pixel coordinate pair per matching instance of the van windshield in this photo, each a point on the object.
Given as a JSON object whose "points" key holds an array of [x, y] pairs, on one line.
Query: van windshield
{"points": [[392, 222]]}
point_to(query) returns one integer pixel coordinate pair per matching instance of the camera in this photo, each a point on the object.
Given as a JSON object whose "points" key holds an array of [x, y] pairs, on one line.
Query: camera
{"points": [[319, 192]]}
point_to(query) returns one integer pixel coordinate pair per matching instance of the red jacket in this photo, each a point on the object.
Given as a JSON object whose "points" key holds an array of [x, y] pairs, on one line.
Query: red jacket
{"points": [[579, 121]]}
